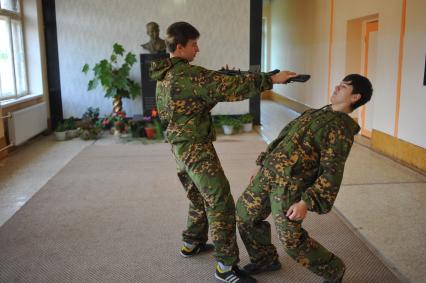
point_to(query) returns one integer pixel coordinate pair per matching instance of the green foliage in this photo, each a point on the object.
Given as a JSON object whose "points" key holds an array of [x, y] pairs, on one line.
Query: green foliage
{"points": [[246, 118], [117, 120], [158, 129], [90, 125], [60, 127], [91, 114], [70, 123], [113, 75], [227, 120]]}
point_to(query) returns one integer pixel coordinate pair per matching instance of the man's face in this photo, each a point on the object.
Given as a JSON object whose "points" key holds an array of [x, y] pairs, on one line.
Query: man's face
{"points": [[189, 51], [342, 94]]}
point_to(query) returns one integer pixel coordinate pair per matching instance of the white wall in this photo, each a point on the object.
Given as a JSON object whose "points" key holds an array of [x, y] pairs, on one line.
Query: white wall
{"points": [[88, 29], [33, 46], [300, 40], [412, 119]]}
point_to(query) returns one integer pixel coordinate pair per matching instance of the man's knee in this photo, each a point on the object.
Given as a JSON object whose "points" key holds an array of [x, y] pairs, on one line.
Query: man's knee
{"points": [[291, 238], [242, 216]]}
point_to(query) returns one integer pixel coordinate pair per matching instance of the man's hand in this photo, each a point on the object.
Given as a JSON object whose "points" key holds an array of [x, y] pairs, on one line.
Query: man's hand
{"points": [[282, 77], [297, 211]]}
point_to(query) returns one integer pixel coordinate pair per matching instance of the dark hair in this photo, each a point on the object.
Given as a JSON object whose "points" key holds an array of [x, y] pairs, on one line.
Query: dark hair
{"points": [[180, 33], [361, 85]]}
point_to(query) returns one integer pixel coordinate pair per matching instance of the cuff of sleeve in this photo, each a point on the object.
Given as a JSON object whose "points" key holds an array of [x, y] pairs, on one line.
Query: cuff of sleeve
{"points": [[260, 158], [268, 84], [264, 81], [307, 199]]}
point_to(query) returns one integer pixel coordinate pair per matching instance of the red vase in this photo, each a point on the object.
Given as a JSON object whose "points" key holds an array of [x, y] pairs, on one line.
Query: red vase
{"points": [[150, 133]]}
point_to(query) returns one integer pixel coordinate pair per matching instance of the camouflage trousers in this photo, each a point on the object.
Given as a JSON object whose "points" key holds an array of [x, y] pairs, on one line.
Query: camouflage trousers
{"points": [[211, 203], [268, 194]]}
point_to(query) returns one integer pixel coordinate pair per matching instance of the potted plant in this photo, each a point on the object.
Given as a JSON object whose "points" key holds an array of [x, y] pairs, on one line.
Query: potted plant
{"points": [[113, 75], [137, 128], [71, 127], [247, 122], [118, 123], [150, 130], [60, 132], [91, 127], [230, 125]]}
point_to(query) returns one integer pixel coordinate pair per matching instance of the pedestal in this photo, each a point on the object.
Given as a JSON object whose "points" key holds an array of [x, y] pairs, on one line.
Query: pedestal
{"points": [[148, 85]]}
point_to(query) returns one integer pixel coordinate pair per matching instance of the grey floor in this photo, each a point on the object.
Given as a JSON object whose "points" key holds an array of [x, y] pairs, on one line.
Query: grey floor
{"points": [[386, 209]]}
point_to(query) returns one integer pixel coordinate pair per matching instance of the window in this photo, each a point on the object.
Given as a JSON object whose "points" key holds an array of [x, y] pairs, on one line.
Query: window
{"points": [[13, 78]]}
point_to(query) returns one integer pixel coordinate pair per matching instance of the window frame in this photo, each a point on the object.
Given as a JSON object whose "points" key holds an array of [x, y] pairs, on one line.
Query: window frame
{"points": [[16, 16]]}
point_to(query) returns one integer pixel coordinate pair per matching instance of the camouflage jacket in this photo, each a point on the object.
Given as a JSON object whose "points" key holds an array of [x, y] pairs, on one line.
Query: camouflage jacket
{"points": [[309, 155], [186, 94]]}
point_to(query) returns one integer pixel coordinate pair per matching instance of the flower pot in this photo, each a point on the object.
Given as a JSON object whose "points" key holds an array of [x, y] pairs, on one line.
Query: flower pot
{"points": [[116, 132], [72, 133], [247, 127], [61, 136], [150, 132], [227, 129]]}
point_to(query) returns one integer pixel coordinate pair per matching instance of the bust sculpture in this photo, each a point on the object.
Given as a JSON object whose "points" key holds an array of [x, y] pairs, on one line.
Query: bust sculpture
{"points": [[155, 44]]}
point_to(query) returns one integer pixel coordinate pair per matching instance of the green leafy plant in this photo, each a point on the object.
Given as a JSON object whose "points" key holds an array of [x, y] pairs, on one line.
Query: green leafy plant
{"points": [[113, 74], [60, 127], [70, 123], [227, 120], [91, 114], [117, 121], [90, 124], [246, 118]]}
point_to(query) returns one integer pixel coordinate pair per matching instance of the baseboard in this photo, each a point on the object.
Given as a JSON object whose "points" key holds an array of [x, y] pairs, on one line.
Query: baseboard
{"points": [[407, 153], [292, 104]]}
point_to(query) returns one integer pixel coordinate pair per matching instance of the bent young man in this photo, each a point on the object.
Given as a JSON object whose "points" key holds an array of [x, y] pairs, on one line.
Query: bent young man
{"points": [[301, 170], [185, 95]]}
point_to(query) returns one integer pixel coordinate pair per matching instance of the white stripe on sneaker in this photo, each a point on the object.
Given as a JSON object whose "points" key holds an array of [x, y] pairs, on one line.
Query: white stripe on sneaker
{"points": [[232, 278]]}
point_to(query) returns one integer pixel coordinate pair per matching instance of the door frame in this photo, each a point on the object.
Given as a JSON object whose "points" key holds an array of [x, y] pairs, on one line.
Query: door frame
{"points": [[371, 26]]}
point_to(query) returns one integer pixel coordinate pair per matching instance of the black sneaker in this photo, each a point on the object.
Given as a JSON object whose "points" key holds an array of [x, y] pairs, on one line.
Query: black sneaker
{"points": [[235, 275], [200, 248], [339, 280], [254, 268]]}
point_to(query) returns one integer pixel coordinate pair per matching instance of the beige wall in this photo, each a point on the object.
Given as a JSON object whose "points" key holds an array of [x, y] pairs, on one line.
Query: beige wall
{"points": [[300, 42], [387, 60]]}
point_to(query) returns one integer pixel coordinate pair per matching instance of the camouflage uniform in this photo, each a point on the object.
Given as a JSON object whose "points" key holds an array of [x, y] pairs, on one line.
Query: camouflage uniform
{"points": [[306, 162], [185, 96]]}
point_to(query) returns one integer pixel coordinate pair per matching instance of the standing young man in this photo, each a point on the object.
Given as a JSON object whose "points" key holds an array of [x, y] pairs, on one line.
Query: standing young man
{"points": [[301, 170], [185, 95]]}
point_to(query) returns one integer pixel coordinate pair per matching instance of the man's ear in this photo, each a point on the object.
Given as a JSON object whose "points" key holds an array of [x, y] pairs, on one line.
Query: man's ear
{"points": [[179, 46], [355, 97]]}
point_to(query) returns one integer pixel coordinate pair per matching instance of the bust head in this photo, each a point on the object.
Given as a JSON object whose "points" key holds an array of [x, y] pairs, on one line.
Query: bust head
{"points": [[155, 43], [153, 30]]}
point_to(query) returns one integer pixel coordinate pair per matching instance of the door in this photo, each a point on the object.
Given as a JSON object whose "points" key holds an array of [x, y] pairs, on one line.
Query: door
{"points": [[369, 62]]}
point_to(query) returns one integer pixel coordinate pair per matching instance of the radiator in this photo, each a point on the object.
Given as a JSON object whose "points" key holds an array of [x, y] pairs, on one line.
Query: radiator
{"points": [[26, 123]]}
